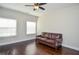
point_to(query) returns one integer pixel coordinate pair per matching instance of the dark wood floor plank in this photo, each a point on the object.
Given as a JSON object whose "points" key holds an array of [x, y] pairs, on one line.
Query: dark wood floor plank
{"points": [[31, 48]]}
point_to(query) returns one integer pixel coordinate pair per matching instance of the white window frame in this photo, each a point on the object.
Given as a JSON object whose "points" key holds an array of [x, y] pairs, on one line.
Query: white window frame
{"points": [[8, 28], [28, 33]]}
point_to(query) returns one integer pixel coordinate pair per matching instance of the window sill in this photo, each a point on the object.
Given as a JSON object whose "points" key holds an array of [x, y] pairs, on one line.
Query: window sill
{"points": [[8, 36]]}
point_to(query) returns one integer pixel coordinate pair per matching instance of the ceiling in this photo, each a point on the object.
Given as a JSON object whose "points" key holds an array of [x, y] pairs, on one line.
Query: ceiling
{"points": [[48, 7]]}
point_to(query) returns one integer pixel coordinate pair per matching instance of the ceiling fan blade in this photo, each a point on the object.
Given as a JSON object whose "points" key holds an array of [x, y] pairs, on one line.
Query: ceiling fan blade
{"points": [[42, 3], [42, 8], [28, 5]]}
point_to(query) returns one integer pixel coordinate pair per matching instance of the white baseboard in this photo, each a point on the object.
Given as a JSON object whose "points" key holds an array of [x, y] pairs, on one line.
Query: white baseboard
{"points": [[75, 48], [11, 42]]}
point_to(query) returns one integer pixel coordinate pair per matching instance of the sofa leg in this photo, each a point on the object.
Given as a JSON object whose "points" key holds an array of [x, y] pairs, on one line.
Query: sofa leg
{"points": [[56, 48]]}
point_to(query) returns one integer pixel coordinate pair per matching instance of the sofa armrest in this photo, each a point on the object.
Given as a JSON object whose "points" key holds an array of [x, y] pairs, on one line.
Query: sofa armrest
{"points": [[39, 36]]}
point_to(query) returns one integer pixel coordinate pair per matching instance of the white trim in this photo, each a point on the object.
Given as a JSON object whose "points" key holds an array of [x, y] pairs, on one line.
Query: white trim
{"points": [[75, 48], [6, 43]]}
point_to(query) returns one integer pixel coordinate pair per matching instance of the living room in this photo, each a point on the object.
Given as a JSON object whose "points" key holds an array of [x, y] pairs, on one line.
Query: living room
{"points": [[24, 27]]}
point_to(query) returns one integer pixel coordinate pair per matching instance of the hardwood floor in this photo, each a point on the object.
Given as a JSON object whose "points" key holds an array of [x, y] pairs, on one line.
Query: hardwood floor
{"points": [[31, 48]]}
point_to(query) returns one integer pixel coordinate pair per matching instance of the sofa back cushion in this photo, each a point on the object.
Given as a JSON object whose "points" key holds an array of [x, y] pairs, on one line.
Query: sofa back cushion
{"points": [[54, 36], [44, 34], [51, 35]]}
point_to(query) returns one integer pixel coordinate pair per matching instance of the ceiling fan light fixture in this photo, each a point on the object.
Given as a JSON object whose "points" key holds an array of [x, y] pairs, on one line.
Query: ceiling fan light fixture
{"points": [[36, 7]]}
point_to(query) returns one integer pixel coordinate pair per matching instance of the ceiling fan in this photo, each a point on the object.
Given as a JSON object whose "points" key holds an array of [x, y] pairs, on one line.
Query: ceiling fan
{"points": [[37, 6]]}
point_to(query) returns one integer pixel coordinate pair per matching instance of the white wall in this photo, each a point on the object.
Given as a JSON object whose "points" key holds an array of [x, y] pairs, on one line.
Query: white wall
{"points": [[65, 21], [21, 19]]}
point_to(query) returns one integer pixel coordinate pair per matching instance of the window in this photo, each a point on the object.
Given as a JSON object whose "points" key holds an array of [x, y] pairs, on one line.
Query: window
{"points": [[7, 27], [31, 27]]}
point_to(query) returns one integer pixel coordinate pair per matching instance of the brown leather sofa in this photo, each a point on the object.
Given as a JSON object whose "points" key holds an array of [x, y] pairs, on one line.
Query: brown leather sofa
{"points": [[51, 39]]}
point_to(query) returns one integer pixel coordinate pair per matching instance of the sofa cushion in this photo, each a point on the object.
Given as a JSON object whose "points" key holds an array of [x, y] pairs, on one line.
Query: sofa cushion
{"points": [[49, 41], [46, 35], [53, 36], [49, 36], [43, 39], [57, 36], [38, 37]]}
